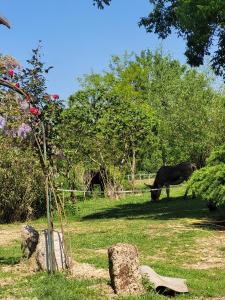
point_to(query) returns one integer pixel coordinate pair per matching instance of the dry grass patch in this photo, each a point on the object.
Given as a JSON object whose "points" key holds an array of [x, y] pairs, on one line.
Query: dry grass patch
{"points": [[87, 271], [208, 252], [9, 235], [93, 251], [180, 242], [22, 269], [6, 281]]}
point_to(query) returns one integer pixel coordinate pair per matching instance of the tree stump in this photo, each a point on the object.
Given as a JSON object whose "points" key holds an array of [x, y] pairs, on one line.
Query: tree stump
{"points": [[124, 269]]}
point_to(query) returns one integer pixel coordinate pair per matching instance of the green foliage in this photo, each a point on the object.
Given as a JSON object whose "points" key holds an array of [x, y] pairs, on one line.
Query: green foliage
{"points": [[101, 3], [144, 111], [33, 80], [184, 105], [199, 22], [108, 121], [217, 156], [209, 182], [21, 185]]}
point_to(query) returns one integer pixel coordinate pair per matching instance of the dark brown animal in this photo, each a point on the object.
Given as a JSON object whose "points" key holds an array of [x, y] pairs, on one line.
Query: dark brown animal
{"points": [[171, 175], [92, 178]]}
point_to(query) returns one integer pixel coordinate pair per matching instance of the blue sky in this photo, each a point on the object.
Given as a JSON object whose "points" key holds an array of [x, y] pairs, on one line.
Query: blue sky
{"points": [[78, 38]]}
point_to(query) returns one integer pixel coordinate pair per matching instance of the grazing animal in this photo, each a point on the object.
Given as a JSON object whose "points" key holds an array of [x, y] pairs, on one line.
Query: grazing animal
{"points": [[92, 178], [171, 175]]}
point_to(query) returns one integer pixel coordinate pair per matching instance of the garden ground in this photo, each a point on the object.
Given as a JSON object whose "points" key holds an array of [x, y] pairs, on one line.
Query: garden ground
{"points": [[178, 238]]}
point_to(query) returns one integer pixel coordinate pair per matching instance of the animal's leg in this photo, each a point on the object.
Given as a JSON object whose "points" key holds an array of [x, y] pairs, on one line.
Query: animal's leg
{"points": [[186, 193], [168, 191]]}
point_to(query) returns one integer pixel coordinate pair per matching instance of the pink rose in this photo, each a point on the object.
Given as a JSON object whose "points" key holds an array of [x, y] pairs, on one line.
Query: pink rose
{"points": [[11, 72], [55, 97]]}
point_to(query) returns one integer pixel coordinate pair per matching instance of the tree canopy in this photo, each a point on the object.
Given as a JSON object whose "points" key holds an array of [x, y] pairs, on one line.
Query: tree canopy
{"points": [[145, 111], [201, 23]]}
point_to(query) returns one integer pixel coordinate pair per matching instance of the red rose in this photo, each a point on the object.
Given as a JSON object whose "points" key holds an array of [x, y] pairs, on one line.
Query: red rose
{"points": [[11, 72], [34, 111], [17, 85], [55, 97]]}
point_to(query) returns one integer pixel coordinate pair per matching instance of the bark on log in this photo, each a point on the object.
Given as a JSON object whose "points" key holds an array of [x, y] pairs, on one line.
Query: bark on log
{"points": [[124, 269]]}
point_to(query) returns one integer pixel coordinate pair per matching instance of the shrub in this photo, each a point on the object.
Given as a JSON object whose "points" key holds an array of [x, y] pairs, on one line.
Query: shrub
{"points": [[209, 182], [21, 186]]}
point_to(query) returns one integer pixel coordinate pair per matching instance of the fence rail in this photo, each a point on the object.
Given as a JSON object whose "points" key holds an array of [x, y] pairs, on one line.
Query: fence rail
{"points": [[141, 176], [147, 190]]}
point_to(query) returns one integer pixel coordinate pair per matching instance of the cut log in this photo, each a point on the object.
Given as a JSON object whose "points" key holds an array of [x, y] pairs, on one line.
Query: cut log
{"points": [[124, 269]]}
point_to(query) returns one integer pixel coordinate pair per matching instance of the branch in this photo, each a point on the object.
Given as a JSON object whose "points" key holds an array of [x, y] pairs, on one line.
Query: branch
{"points": [[13, 87], [4, 21]]}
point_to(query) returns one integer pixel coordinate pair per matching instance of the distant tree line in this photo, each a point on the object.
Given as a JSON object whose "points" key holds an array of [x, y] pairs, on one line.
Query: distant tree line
{"points": [[145, 111]]}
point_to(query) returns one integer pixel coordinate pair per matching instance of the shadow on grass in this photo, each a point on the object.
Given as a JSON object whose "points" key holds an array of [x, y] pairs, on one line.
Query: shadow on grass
{"points": [[175, 208], [9, 260]]}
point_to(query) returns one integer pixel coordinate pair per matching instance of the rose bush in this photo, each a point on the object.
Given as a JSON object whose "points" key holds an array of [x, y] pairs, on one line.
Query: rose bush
{"points": [[27, 118]]}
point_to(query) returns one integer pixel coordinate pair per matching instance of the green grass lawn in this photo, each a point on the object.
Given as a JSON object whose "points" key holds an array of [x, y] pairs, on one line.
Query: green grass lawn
{"points": [[178, 238]]}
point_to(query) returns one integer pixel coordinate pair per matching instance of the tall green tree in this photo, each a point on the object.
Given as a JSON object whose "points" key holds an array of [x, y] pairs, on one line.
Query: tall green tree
{"points": [[184, 105], [111, 119]]}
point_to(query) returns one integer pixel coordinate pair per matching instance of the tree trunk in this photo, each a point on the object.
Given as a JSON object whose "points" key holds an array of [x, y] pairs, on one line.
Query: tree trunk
{"points": [[133, 168], [73, 197], [163, 152]]}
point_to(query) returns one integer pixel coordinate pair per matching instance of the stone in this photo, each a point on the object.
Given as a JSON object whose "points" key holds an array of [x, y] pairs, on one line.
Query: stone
{"points": [[163, 284], [60, 257], [124, 269], [34, 248], [30, 238]]}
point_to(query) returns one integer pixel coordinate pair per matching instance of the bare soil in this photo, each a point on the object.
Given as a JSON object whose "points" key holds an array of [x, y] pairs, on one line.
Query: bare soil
{"points": [[8, 236], [88, 271]]}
